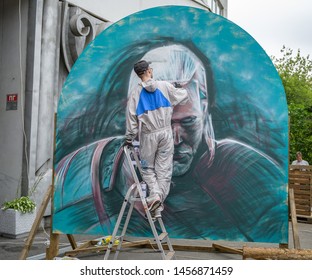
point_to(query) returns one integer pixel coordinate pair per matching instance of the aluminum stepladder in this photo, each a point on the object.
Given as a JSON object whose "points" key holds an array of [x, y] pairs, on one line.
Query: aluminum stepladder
{"points": [[134, 194]]}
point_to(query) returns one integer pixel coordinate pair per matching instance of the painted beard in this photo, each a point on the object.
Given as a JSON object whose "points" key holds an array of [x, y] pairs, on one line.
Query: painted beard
{"points": [[182, 159]]}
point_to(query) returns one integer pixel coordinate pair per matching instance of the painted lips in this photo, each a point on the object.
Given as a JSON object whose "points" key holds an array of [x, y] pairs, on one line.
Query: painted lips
{"points": [[181, 156]]}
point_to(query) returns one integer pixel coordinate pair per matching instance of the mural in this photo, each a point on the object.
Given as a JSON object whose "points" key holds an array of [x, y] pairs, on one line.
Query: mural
{"points": [[231, 141]]}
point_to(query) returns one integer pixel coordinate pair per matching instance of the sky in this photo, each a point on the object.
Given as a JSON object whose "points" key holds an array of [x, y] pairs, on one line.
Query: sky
{"points": [[274, 23]]}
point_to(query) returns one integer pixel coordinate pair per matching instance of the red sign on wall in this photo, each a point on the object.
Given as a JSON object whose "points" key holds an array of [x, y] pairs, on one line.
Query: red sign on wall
{"points": [[11, 103]]}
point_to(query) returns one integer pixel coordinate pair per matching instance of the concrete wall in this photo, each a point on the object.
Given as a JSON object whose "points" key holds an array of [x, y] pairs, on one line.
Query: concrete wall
{"points": [[12, 78]]}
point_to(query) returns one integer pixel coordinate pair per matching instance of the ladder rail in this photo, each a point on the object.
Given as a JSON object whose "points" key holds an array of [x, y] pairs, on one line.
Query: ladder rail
{"points": [[125, 227], [119, 219], [131, 197], [163, 229], [127, 151]]}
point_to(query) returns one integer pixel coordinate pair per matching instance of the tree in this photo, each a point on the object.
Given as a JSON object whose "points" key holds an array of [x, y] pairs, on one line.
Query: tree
{"points": [[295, 71]]}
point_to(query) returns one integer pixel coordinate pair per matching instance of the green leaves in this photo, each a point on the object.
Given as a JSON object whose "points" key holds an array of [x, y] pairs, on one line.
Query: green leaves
{"points": [[296, 75], [300, 135], [23, 204]]}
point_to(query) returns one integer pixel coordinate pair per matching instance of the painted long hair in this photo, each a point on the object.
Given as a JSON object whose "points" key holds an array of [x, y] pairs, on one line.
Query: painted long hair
{"points": [[177, 63]]}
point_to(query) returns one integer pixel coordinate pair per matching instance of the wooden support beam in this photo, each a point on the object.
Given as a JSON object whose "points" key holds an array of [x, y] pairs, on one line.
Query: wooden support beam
{"points": [[88, 247], [227, 249], [36, 224], [80, 248], [198, 248], [179, 247], [72, 241], [292, 207], [276, 253], [53, 250]]}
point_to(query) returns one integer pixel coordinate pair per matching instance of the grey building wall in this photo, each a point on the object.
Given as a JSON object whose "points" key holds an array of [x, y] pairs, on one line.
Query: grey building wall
{"points": [[13, 40]]}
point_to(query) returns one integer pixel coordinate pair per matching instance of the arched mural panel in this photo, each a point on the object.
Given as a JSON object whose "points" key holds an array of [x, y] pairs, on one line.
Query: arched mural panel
{"points": [[230, 162]]}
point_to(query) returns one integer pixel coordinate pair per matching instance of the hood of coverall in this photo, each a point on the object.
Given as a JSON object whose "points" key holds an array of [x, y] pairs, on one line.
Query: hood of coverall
{"points": [[150, 85]]}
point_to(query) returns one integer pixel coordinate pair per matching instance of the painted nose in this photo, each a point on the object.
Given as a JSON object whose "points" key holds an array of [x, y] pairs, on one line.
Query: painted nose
{"points": [[176, 129]]}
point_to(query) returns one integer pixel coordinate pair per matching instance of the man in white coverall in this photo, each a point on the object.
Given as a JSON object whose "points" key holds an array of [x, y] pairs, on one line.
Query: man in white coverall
{"points": [[150, 107]]}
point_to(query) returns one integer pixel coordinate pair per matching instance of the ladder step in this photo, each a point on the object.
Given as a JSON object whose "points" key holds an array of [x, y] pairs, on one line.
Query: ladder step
{"points": [[135, 199], [170, 255], [162, 236]]}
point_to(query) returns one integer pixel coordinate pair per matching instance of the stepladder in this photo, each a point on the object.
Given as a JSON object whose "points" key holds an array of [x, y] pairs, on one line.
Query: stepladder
{"points": [[135, 193]]}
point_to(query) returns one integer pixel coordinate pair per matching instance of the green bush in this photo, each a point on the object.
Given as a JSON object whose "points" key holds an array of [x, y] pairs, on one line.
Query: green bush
{"points": [[23, 204], [295, 71]]}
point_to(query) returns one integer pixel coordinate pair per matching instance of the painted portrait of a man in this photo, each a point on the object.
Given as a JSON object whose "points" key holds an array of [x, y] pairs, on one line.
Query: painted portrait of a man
{"points": [[230, 139]]}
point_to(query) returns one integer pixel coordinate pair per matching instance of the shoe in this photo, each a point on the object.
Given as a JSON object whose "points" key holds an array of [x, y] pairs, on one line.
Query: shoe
{"points": [[157, 212], [153, 202]]}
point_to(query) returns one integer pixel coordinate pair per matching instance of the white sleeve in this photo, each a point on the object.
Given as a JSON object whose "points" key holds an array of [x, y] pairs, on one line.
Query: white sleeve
{"points": [[131, 120], [177, 95]]}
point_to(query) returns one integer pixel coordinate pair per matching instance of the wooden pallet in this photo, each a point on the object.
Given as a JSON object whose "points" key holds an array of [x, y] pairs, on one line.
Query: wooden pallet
{"points": [[300, 180]]}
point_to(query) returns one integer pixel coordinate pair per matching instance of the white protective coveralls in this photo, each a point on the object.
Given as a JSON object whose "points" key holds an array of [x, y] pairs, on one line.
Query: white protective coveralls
{"points": [[150, 107]]}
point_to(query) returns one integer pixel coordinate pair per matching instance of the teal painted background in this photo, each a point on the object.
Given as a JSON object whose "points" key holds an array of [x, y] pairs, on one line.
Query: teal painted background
{"points": [[239, 194]]}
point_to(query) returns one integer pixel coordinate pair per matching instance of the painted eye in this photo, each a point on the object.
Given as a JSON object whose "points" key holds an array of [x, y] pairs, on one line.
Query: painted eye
{"points": [[189, 120]]}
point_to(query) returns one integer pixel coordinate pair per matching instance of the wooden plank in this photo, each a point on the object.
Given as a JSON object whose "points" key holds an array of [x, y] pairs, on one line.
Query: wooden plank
{"points": [[300, 181], [276, 253], [301, 192], [306, 213], [304, 179], [227, 249], [300, 168], [303, 199], [292, 207], [300, 187], [301, 206], [36, 224], [303, 202], [300, 173], [297, 184], [300, 211], [301, 176], [53, 249], [81, 247], [300, 197], [305, 216], [180, 247], [90, 249], [72, 241]]}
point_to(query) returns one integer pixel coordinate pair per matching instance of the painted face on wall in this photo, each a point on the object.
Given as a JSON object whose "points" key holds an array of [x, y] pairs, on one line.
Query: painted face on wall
{"points": [[187, 127], [246, 166]]}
